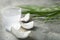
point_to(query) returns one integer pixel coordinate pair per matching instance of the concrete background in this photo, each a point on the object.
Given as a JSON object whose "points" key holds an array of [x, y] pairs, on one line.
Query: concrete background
{"points": [[42, 30], [4, 3]]}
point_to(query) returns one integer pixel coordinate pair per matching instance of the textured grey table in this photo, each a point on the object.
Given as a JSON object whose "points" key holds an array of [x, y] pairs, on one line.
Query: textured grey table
{"points": [[41, 31]]}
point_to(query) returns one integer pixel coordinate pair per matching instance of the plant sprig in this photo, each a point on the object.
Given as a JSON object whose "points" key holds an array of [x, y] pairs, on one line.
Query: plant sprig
{"points": [[49, 12]]}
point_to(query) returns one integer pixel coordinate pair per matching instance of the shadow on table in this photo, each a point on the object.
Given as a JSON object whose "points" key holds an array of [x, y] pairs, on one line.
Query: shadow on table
{"points": [[34, 28], [29, 38]]}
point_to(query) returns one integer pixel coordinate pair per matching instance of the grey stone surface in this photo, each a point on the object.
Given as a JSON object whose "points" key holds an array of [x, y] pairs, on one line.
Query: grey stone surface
{"points": [[5, 3], [41, 31]]}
